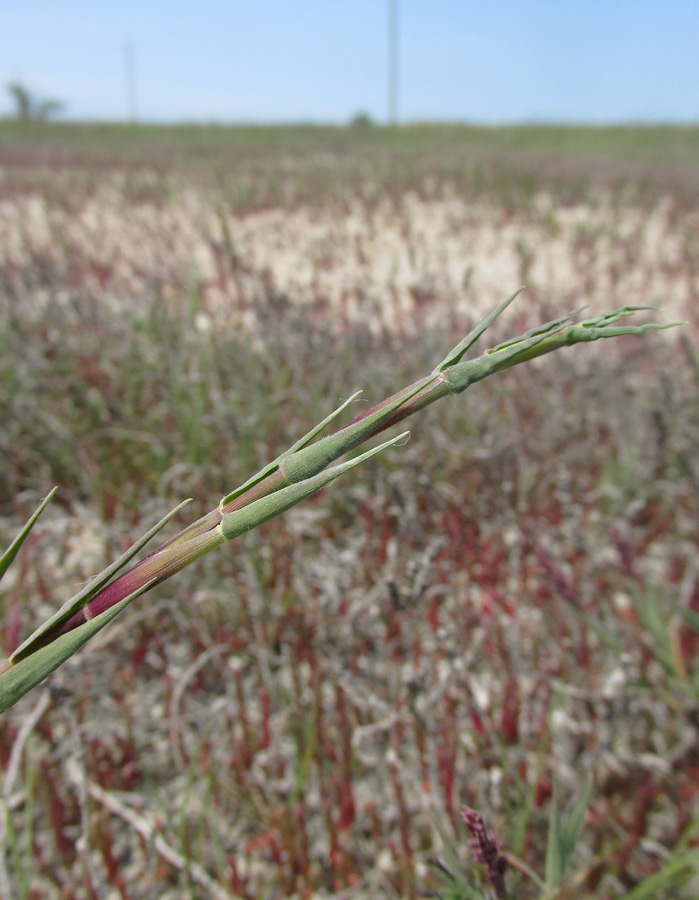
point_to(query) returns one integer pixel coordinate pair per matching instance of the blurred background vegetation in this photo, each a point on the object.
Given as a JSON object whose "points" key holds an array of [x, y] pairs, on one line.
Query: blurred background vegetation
{"points": [[506, 604]]}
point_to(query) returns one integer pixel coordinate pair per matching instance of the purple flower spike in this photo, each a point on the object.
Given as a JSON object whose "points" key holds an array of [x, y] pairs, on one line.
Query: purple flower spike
{"points": [[486, 849]]}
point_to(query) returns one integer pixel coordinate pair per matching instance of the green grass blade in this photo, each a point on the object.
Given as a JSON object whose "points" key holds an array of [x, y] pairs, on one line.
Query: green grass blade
{"points": [[690, 617], [669, 876], [9, 555], [20, 678], [454, 356], [96, 584], [464, 374], [539, 331], [321, 426], [299, 445], [563, 835], [656, 627], [309, 461], [266, 508], [553, 871], [545, 339], [573, 826], [603, 632], [455, 884], [589, 330]]}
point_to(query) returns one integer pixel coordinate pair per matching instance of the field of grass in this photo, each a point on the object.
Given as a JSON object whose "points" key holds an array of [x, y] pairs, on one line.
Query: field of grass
{"points": [[503, 613]]}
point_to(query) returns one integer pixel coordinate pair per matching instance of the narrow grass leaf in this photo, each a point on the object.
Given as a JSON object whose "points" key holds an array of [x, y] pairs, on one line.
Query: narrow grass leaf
{"points": [[672, 874], [94, 586], [9, 555], [321, 426], [464, 374], [602, 631], [690, 618], [20, 678], [545, 339], [538, 331], [656, 628], [552, 867], [454, 356], [563, 835], [593, 330], [266, 508], [456, 885], [308, 462], [299, 445]]}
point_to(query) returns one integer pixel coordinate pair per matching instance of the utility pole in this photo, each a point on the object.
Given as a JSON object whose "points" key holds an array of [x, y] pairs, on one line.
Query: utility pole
{"points": [[392, 62], [130, 72]]}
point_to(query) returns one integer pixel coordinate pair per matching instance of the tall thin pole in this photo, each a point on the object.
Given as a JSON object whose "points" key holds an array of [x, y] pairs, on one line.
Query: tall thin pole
{"points": [[392, 62], [130, 72]]}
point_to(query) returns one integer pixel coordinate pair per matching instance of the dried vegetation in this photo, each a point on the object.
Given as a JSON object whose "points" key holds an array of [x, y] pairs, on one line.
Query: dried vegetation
{"points": [[508, 603]]}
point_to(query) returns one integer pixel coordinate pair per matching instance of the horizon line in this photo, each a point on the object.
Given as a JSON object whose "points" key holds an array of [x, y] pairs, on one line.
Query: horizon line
{"points": [[358, 122]]}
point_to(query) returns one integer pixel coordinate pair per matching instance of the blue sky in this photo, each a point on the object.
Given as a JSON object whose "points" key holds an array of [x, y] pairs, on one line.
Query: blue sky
{"points": [[486, 61]]}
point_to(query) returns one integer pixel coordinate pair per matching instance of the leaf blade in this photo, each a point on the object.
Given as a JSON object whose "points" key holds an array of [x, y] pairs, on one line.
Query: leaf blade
{"points": [[8, 557], [96, 584], [20, 678], [454, 356]]}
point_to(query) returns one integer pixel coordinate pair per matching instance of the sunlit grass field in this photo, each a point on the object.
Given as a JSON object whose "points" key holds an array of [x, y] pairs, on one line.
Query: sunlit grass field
{"points": [[502, 613]]}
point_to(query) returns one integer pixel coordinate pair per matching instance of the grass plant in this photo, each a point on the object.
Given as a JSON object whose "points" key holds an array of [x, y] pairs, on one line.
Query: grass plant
{"points": [[279, 486]]}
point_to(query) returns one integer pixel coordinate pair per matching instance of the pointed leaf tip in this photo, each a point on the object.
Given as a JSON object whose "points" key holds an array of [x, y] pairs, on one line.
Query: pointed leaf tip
{"points": [[454, 356], [9, 555]]}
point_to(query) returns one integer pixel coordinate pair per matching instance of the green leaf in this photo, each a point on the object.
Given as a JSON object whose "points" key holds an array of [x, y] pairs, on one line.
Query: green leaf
{"points": [[454, 356], [602, 630], [259, 511], [299, 445], [309, 461], [544, 339], [672, 874], [24, 675], [599, 327], [456, 885], [690, 617], [563, 835], [527, 346], [538, 332], [93, 587], [656, 627], [683, 862], [9, 555]]}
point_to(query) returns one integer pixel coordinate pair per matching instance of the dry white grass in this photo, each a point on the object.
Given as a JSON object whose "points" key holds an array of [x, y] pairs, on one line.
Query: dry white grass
{"points": [[389, 266]]}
